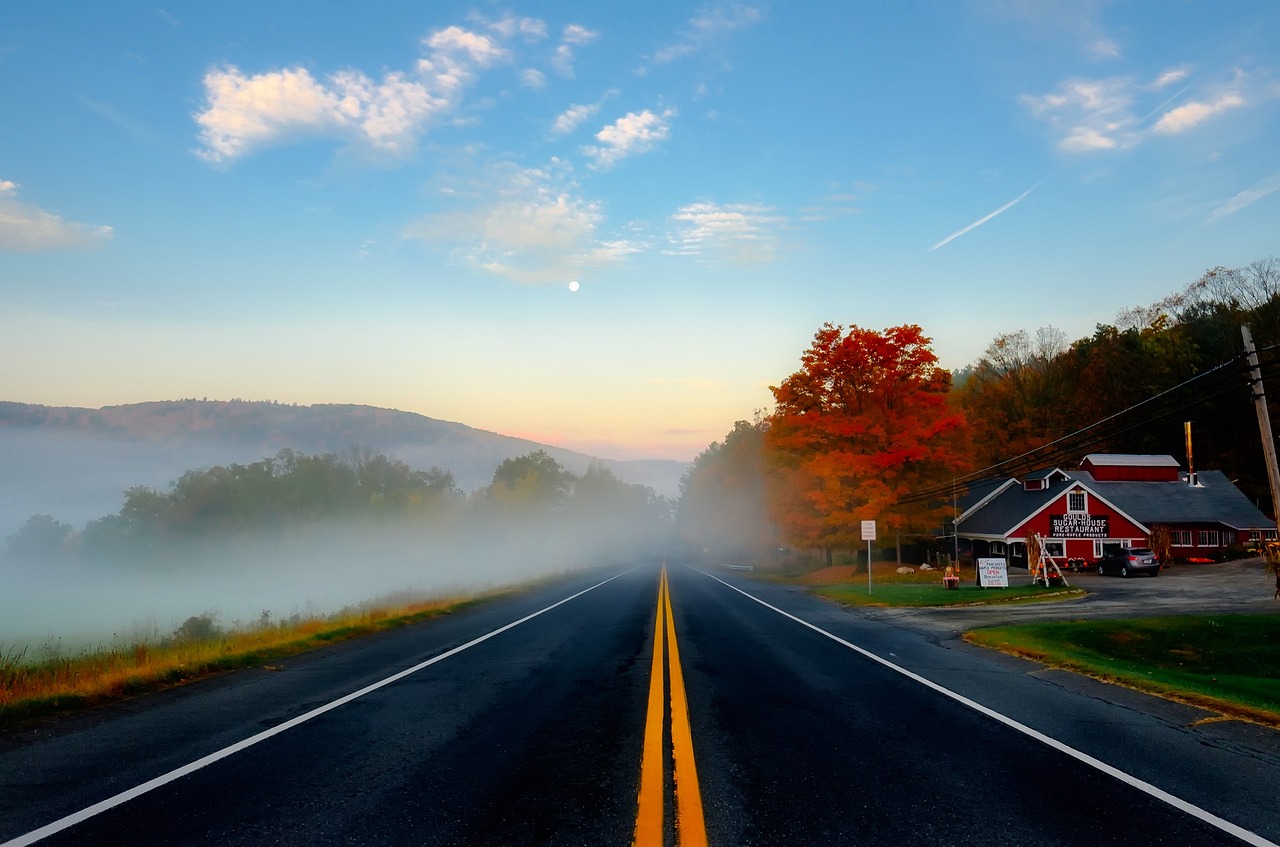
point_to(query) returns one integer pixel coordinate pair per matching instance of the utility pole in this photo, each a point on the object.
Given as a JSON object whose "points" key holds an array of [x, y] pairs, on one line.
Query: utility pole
{"points": [[1264, 421]]}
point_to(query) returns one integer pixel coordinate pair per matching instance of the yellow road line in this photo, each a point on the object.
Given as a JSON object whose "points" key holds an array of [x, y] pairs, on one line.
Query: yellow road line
{"points": [[649, 816], [691, 830]]}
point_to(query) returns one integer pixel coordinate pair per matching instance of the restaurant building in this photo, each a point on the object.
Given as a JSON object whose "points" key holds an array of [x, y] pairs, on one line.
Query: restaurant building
{"points": [[1113, 500]]}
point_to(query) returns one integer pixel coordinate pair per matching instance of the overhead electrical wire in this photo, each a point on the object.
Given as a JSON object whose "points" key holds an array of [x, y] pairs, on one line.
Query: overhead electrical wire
{"points": [[1218, 381]]}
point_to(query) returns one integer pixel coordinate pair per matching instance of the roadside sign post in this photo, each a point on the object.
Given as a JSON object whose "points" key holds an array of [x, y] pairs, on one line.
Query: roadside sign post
{"points": [[868, 535]]}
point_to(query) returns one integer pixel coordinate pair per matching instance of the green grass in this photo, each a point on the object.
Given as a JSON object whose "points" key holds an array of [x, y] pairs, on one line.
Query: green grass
{"points": [[1230, 663], [932, 593]]}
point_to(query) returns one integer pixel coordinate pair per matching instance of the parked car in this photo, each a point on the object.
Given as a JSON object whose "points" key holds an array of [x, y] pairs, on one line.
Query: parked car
{"points": [[1128, 561]]}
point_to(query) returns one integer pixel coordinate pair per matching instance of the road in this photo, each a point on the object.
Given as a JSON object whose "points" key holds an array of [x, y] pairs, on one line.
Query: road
{"points": [[531, 721]]}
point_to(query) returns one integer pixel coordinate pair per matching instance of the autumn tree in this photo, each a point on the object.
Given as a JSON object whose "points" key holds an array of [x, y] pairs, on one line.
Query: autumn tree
{"points": [[864, 422], [1021, 391]]}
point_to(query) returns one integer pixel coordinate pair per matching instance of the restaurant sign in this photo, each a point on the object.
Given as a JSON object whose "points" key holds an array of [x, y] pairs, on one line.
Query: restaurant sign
{"points": [[1079, 526]]}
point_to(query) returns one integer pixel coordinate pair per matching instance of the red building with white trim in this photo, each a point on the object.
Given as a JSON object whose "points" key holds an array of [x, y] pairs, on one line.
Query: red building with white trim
{"points": [[1113, 501]]}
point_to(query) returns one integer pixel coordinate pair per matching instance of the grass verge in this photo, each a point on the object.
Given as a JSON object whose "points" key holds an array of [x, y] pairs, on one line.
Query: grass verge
{"points": [[1226, 663], [845, 584], [933, 594], [68, 683]]}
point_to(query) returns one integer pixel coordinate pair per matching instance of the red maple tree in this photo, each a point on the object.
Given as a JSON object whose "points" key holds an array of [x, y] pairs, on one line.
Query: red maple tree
{"points": [[864, 422]]}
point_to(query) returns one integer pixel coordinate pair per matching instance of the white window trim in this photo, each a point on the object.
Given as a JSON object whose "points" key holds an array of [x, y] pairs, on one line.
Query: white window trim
{"points": [[1084, 495]]}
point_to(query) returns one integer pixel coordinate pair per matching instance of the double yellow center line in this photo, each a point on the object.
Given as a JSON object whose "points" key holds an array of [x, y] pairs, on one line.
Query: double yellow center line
{"points": [[691, 830]]}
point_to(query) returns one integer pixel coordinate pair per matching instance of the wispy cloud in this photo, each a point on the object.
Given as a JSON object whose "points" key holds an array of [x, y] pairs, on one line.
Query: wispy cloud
{"points": [[1248, 197], [529, 226], [709, 26], [573, 117], [1101, 114], [740, 233], [634, 133], [984, 219], [574, 35], [25, 228], [1193, 114], [133, 127]]}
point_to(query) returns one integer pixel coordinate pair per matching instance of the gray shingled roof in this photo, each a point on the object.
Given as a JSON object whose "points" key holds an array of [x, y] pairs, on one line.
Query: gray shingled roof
{"points": [[1010, 508], [1215, 500]]}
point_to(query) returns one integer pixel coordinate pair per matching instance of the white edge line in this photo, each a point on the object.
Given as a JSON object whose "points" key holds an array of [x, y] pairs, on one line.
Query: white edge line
{"points": [[1158, 793], [164, 779]]}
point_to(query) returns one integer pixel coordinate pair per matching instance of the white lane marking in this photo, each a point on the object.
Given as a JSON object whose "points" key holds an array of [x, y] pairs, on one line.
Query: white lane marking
{"points": [[1160, 794], [164, 779]]}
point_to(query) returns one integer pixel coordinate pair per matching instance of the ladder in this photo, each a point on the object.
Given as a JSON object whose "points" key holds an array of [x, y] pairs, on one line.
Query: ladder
{"points": [[1045, 568]]}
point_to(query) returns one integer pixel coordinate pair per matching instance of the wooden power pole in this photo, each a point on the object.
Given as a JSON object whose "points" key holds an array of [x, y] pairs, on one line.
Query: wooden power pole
{"points": [[1264, 421]]}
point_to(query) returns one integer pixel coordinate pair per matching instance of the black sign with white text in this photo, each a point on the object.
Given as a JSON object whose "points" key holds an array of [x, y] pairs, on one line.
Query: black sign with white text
{"points": [[1079, 526]]}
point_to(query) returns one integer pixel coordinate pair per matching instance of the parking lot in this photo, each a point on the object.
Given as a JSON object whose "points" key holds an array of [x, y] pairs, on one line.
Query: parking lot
{"points": [[1241, 587]]}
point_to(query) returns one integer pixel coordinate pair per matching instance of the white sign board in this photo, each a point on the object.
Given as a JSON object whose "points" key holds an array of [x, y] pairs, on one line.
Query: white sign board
{"points": [[868, 530], [993, 573]]}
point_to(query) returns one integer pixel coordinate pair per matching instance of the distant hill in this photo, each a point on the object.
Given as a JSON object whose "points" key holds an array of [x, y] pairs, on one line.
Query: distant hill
{"points": [[75, 463]]}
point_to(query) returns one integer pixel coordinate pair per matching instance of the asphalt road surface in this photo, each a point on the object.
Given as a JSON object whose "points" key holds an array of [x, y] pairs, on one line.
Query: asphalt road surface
{"points": [[531, 720]]}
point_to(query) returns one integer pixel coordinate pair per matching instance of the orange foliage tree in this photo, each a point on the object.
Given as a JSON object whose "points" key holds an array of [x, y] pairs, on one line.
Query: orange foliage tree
{"points": [[864, 422]]}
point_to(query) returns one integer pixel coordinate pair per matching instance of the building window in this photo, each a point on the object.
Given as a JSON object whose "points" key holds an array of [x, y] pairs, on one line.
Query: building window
{"points": [[1054, 548], [1180, 538], [1077, 503], [997, 548], [1207, 538], [1097, 549]]}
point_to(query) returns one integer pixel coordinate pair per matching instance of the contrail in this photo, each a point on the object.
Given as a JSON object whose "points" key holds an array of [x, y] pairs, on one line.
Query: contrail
{"points": [[1006, 207]]}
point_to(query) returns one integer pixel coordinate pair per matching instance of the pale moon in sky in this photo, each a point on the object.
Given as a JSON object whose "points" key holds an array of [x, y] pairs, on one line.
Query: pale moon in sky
{"points": [[573, 286]]}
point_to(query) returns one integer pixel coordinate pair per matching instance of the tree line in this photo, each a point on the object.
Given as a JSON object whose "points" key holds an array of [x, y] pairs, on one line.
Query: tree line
{"points": [[532, 504], [871, 427]]}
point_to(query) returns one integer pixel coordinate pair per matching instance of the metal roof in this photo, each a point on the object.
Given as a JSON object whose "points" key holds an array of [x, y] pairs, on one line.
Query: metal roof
{"points": [[1130, 460], [1214, 500]]}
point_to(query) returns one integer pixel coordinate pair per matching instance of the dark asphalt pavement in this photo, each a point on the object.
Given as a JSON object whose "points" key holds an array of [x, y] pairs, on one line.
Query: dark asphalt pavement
{"points": [[534, 736]]}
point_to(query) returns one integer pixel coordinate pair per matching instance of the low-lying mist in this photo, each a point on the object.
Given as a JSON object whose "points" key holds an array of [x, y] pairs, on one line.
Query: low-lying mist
{"points": [[69, 606], [308, 536]]}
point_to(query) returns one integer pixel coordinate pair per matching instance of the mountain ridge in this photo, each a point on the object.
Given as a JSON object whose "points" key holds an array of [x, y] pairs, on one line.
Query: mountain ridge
{"points": [[74, 456]]}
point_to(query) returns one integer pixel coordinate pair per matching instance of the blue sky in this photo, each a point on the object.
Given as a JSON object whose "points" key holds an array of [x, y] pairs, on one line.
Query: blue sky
{"points": [[601, 225]]}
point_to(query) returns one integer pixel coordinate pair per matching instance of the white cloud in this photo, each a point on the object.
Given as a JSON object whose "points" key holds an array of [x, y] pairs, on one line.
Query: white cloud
{"points": [[563, 57], [635, 132], [1193, 114], [28, 229], [1170, 77], [577, 34], [1090, 115], [562, 61], [533, 78], [531, 227], [1104, 48], [571, 118], [530, 29], [713, 23], [245, 112], [458, 42], [742, 233]]}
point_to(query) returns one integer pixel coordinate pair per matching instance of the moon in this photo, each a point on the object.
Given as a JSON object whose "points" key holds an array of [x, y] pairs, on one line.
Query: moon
{"points": [[573, 286]]}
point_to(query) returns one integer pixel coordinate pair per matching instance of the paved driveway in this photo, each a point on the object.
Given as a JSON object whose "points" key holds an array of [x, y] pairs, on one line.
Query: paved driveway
{"points": [[1243, 587]]}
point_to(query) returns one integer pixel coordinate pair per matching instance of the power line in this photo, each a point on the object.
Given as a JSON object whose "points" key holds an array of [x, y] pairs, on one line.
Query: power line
{"points": [[1108, 428]]}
